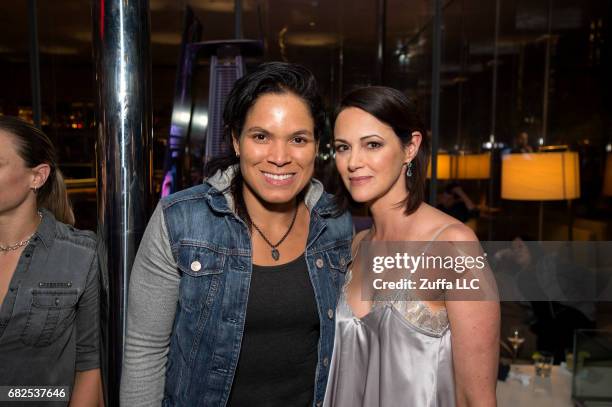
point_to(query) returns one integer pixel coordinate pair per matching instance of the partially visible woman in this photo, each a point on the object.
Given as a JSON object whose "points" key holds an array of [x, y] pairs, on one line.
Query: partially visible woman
{"points": [[410, 352], [49, 276]]}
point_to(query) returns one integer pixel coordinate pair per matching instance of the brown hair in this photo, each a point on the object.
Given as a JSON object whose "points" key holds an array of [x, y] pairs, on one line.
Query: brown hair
{"points": [[35, 148], [395, 109]]}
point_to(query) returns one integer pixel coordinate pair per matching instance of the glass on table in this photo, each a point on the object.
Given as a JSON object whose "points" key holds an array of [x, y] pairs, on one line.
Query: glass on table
{"points": [[543, 362], [569, 361], [516, 340]]}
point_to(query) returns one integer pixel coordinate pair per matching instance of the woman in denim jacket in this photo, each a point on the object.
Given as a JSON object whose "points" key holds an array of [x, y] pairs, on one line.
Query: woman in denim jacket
{"points": [[49, 287], [233, 291]]}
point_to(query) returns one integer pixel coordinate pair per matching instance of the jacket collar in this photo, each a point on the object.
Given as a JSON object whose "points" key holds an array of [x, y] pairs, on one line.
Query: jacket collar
{"points": [[221, 200]]}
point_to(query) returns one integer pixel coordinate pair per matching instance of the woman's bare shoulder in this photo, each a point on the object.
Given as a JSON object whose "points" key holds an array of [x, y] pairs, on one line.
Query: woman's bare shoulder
{"points": [[449, 228]]}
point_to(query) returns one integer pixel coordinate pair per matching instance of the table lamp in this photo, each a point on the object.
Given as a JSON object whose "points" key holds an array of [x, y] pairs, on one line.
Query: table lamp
{"points": [[541, 177], [471, 166], [443, 167]]}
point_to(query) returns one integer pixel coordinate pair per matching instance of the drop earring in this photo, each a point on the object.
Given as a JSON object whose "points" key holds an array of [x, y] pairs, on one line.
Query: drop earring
{"points": [[409, 170]]}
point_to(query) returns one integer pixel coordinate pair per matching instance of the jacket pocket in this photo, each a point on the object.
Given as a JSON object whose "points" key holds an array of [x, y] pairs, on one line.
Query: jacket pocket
{"points": [[201, 267], [51, 312], [197, 259], [339, 258]]}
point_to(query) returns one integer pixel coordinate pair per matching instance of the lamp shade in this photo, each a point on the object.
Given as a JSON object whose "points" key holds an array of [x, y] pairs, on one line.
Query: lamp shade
{"points": [[607, 189], [443, 167], [472, 166], [540, 176]]}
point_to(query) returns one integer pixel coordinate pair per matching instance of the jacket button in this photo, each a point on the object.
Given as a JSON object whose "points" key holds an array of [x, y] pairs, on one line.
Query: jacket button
{"points": [[319, 263], [330, 313], [325, 362], [69, 283], [342, 261], [196, 266], [56, 301]]}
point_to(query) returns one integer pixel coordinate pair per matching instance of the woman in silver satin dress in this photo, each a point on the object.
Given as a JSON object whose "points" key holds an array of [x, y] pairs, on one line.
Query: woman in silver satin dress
{"points": [[409, 352]]}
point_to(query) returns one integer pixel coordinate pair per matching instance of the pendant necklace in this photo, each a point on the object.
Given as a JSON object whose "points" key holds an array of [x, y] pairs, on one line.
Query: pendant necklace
{"points": [[275, 253]]}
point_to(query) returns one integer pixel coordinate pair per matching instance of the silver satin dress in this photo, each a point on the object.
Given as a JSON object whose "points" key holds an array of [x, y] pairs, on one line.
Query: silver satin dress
{"points": [[399, 354]]}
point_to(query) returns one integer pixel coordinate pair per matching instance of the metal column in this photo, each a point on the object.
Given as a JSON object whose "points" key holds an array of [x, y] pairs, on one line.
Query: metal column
{"points": [[121, 42], [381, 32], [238, 19], [546, 90], [34, 63], [435, 98], [493, 128]]}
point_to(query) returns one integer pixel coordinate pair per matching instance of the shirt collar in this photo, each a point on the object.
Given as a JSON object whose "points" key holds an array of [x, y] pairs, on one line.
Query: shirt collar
{"points": [[46, 229]]}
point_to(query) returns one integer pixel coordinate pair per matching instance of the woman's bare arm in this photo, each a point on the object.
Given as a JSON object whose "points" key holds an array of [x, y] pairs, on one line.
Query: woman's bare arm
{"points": [[86, 390], [475, 329]]}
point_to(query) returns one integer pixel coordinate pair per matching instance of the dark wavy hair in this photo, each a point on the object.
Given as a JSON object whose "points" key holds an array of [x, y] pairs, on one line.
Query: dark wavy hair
{"points": [[270, 77], [395, 109], [35, 148]]}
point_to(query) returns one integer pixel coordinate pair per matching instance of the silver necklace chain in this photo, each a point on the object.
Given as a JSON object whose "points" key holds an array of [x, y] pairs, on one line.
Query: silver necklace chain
{"points": [[18, 245]]}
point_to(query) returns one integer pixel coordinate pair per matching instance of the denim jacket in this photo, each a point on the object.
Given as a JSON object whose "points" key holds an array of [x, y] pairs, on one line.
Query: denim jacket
{"points": [[212, 249]]}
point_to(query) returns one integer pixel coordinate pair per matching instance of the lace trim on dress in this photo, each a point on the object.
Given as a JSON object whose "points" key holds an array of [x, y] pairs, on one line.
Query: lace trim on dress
{"points": [[415, 312], [420, 315]]}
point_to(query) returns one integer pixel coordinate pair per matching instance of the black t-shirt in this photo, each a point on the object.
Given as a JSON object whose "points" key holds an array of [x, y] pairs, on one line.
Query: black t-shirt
{"points": [[278, 357]]}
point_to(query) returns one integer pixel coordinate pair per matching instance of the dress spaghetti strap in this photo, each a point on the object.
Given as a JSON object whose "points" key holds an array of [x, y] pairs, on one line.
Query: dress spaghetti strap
{"points": [[442, 229], [355, 249], [404, 301]]}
